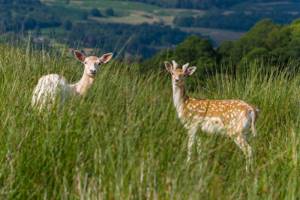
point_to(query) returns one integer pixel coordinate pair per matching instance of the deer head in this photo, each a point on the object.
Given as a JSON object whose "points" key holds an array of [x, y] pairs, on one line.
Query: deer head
{"points": [[92, 63], [178, 74]]}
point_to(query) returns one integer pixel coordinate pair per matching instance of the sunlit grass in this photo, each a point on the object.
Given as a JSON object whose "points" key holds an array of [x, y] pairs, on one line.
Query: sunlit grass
{"points": [[124, 141]]}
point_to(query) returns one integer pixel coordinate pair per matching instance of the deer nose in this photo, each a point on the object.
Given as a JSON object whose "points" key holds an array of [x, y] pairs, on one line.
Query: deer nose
{"points": [[93, 71]]}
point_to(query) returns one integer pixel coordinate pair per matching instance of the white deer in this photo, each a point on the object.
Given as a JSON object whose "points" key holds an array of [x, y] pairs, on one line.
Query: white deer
{"points": [[53, 86], [233, 118]]}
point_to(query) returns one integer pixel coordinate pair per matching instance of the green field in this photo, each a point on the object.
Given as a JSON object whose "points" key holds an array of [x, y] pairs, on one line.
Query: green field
{"points": [[127, 12], [275, 6], [124, 141], [134, 13]]}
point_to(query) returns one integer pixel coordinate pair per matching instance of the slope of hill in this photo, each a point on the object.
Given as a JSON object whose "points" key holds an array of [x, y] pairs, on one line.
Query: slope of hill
{"points": [[195, 4], [272, 44], [208, 4], [243, 15], [136, 29], [80, 26]]}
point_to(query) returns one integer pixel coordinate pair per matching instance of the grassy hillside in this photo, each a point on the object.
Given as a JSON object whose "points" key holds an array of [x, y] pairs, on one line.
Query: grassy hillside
{"points": [[218, 20], [124, 141], [125, 11], [136, 13]]}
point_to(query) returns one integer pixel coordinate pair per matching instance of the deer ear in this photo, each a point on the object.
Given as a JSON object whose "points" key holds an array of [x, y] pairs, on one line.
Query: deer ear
{"points": [[79, 56], [185, 66], [105, 58], [175, 64], [190, 70], [168, 66]]}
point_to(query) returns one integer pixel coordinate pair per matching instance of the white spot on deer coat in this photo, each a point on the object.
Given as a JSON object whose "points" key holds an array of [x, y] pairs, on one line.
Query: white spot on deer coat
{"points": [[212, 125]]}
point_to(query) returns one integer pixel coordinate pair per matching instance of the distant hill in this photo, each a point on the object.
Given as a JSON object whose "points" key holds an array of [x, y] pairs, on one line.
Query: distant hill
{"points": [[243, 15], [204, 4], [80, 28], [234, 15], [269, 43], [28, 2], [21, 15], [136, 28]]}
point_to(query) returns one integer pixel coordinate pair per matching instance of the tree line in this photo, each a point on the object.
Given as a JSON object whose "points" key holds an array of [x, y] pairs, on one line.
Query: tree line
{"points": [[202, 4], [267, 42], [139, 41]]}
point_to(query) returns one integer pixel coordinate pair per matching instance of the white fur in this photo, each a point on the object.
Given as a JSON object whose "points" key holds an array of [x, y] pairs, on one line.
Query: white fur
{"points": [[177, 99], [48, 89], [212, 125], [54, 87]]}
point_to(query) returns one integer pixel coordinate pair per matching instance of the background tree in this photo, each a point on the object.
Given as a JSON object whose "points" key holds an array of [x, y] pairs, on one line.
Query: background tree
{"points": [[109, 12], [95, 12], [67, 25]]}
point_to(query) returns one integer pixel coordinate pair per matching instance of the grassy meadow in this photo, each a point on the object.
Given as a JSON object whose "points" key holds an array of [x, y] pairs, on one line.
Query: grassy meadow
{"points": [[124, 141]]}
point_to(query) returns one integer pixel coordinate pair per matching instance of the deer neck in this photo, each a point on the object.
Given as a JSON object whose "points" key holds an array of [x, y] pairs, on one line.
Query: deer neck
{"points": [[82, 86], [179, 96]]}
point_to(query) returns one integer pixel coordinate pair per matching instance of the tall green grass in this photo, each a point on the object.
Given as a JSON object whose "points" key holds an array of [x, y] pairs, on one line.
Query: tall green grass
{"points": [[124, 141]]}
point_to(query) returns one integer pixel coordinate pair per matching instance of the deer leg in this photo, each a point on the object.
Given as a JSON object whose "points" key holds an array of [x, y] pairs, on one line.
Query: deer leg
{"points": [[191, 141], [242, 143]]}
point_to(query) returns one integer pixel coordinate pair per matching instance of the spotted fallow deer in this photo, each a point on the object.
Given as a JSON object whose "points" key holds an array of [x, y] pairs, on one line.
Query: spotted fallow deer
{"points": [[52, 86], [233, 118]]}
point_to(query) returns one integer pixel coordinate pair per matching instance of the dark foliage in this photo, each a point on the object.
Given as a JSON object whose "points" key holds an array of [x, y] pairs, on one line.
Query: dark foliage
{"points": [[203, 4], [25, 15], [236, 20], [95, 12], [195, 50], [267, 42], [109, 12], [273, 42], [138, 40]]}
